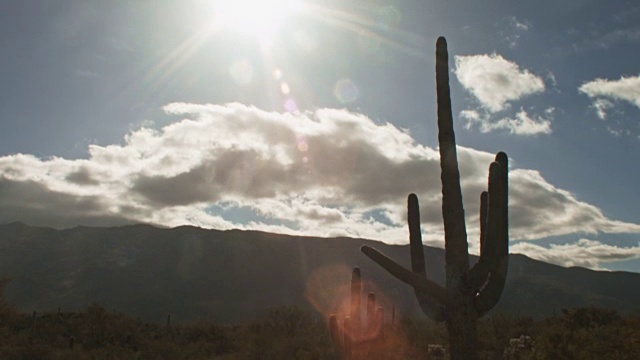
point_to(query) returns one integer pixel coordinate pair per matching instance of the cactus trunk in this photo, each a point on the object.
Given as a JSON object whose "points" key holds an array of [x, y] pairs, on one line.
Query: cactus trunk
{"points": [[461, 323]]}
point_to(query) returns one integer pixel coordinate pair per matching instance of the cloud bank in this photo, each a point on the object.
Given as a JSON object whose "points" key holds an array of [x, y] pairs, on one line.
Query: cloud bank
{"points": [[323, 173], [584, 253]]}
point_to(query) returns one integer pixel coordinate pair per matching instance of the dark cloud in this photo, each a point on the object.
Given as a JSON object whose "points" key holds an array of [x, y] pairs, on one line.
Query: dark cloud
{"points": [[35, 204]]}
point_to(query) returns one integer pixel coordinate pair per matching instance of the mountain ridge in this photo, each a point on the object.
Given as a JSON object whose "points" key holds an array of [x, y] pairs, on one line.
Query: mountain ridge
{"points": [[236, 275]]}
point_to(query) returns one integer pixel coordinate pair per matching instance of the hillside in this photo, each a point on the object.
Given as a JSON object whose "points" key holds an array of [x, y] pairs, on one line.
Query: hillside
{"points": [[235, 276]]}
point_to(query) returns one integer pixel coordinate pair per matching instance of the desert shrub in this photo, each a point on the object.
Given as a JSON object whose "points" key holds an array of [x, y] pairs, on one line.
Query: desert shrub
{"points": [[211, 339], [587, 333], [421, 332], [290, 333]]}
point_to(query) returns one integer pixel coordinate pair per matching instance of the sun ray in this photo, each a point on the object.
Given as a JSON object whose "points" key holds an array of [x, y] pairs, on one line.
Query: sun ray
{"points": [[176, 57], [367, 27]]}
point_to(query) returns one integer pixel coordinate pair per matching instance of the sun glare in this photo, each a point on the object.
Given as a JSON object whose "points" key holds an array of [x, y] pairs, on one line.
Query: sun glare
{"points": [[260, 18]]}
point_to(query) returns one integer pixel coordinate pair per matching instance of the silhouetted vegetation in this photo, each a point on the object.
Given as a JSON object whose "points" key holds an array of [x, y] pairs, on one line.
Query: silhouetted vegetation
{"points": [[292, 333]]}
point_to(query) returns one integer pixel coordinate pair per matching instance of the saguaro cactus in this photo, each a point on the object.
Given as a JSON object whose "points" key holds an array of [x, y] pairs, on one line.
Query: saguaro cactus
{"points": [[469, 293], [355, 334]]}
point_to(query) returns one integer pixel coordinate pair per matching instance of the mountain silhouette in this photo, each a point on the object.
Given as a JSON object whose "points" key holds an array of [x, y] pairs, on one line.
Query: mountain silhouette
{"points": [[235, 276]]}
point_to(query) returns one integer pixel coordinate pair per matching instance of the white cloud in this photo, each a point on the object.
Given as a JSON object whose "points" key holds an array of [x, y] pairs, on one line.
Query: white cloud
{"points": [[320, 173], [584, 253], [601, 106], [552, 78], [614, 37], [523, 25], [521, 124], [514, 29], [625, 89], [592, 38], [495, 81], [607, 95], [471, 116]]}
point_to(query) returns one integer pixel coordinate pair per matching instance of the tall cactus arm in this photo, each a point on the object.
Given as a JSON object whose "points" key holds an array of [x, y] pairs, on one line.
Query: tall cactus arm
{"points": [[489, 295], [431, 296], [480, 271], [484, 210], [429, 305], [405, 275], [415, 236], [490, 221], [503, 160]]}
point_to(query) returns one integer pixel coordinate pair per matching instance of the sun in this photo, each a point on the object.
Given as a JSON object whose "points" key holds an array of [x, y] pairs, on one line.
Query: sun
{"points": [[260, 18]]}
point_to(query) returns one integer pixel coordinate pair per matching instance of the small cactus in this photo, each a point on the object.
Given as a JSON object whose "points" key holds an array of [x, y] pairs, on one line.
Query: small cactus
{"points": [[355, 333]]}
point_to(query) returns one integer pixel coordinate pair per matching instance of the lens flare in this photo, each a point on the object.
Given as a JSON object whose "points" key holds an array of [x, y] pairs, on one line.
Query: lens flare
{"points": [[303, 146], [277, 73], [284, 88], [291, 106], [346, 91]]}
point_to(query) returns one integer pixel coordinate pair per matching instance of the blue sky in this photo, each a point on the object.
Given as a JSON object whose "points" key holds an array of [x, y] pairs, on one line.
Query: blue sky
{"points": [[319, 118]]}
